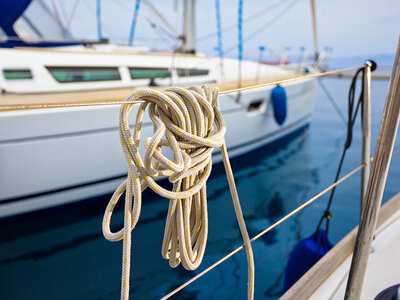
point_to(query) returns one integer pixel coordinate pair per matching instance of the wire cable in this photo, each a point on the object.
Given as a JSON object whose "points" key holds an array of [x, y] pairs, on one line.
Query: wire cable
{"points": [[71, 16], [266, 25], [133, 25], [246, 20], [240, 46], [332, 101]]}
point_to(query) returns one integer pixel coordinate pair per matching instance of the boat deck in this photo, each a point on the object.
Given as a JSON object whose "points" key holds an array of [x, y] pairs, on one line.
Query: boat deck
{"points": [[327, 279], [106, 95]]}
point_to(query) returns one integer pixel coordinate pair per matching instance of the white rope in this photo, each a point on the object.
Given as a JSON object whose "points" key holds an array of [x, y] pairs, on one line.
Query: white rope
{"points": [[189, 122]]}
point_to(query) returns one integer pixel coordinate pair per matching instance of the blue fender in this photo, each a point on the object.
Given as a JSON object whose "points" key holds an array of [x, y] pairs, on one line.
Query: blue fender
{"points": [[306, 253], [279, 104]]}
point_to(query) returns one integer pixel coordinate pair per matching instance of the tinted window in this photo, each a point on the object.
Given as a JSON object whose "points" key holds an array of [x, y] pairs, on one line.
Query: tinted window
{"points": [[141, 73], [79, 74], [17, 74], [192, 72]]}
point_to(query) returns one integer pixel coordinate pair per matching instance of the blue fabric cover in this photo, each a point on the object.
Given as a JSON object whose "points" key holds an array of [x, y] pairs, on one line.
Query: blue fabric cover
{"points": [[279, 99], [10, 11], [12, 44], [307, 252]]}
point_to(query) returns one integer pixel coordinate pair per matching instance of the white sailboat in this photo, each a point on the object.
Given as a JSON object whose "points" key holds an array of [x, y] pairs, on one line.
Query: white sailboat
{"points": [[55, 156]]}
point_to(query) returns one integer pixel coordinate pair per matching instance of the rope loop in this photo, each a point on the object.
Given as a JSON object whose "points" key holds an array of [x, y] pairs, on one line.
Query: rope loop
{"points": [[187, 123]]}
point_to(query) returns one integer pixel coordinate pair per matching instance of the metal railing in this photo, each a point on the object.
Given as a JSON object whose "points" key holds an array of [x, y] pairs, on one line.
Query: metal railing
{"points": [[376, 183]]}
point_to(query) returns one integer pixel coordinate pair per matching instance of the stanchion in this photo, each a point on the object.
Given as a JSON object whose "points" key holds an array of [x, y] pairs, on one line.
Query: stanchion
{"points": [[376, 183]]}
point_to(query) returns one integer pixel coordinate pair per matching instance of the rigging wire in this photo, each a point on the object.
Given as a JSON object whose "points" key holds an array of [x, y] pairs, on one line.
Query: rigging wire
{"points": [[71, 16], [240, 45], [133, 26], [266, 25], [63, 11], [92, 11], [56, 13], [219, 30], [332, 101], [246, 20], [162, 30], [125, 6], [161, 33], [98, 15], [153, 20]]}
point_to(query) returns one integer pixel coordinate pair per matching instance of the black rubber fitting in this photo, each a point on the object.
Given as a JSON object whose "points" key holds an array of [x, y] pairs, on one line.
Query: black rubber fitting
{"points": [[374, 65]]}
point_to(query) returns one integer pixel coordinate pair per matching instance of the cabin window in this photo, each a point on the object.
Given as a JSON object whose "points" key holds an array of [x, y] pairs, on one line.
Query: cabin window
{"points": [[81, 74], [255, 105], [145, 73], [17, 74], [192, 72]]}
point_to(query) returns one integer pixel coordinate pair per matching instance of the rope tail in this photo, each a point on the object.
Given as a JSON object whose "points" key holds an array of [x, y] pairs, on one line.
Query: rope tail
{"points": [[190, 124]]}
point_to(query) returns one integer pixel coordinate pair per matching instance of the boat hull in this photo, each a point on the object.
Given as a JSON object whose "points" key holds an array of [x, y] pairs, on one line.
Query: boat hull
{"points": [[58, 156]]}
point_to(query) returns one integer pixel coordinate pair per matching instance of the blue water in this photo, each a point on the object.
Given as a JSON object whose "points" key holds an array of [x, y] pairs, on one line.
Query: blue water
{"points": [[63, 255]]}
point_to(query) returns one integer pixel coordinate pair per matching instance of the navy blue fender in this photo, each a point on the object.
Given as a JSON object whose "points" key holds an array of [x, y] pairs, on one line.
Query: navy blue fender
{"points": [[279, 104], [306, 253]]}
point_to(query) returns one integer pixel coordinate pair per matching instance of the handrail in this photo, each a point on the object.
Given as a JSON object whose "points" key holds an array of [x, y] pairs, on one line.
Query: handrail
{"points": [[101, 103], [304, 205], [376, 183]]}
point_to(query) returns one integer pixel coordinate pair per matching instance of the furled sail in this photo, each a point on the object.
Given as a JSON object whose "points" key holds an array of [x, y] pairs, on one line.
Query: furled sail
{"points": [[21, 26]]}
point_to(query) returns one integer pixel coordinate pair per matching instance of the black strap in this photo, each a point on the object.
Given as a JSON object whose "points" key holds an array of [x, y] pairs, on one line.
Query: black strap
{"points": [[350, 123]]}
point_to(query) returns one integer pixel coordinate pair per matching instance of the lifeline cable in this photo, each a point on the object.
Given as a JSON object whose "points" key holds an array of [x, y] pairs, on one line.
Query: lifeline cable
{"points": [[350, 123], [192, 123], [5, 107], [293, 212]]}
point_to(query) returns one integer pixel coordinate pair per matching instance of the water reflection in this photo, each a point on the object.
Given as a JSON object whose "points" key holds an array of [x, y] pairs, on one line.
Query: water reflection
{"points": [[63, 255]]}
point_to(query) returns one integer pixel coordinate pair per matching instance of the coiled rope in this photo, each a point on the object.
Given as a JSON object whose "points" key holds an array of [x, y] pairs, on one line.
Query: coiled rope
{"points": [[189, 122]]}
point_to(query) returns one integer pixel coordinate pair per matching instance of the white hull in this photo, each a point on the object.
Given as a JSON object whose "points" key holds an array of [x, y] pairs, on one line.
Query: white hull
{"points": [[57, 156]]}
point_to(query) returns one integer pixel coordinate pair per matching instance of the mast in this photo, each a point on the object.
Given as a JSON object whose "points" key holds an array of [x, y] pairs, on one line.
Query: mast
{"points": [[189, 32], [314, 25]]}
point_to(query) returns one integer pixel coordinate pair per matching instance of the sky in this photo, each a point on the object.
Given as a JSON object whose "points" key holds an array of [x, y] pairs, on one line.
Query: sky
{"points": [[349, 27]]}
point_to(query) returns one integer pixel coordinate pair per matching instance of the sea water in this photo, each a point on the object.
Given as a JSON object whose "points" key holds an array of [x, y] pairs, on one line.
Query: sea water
{"points": [[63, 254]]}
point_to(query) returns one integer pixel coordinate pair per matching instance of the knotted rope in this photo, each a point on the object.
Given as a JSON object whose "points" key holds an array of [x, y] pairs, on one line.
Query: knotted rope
{"points": [[189, 122]]}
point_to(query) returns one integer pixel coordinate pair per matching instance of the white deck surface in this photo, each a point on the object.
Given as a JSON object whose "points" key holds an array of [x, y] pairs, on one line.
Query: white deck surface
{"points": [[383, 268]]}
